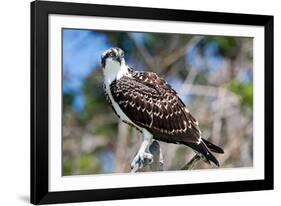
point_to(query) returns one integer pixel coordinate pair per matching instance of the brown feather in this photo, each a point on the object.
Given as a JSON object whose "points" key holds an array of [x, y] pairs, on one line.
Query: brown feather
{"points": [[165, 118]]}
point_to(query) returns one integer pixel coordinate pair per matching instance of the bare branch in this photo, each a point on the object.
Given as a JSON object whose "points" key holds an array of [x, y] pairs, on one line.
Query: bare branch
{"points": [[123, 130], [190, 165], [188, 82], [172, 58], [200, 90], [148, 59]]}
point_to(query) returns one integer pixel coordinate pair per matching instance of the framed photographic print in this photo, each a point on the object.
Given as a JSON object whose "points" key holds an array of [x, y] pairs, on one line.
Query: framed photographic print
{"points": [[133, 102]]}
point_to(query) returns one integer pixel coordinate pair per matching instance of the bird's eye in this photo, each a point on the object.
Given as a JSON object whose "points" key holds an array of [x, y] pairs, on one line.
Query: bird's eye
{"points": [[111, 54]]}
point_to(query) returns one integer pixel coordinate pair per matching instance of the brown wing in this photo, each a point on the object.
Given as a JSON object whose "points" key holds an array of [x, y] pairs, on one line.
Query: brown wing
{"points": [[151, 103]]}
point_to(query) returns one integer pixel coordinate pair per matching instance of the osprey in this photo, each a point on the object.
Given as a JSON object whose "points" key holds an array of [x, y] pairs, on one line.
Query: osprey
{"points": [[146, 102]]}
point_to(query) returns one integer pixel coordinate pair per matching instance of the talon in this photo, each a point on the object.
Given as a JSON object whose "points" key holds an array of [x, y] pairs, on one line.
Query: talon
{"points": [[148, 156], [136, 163], [141, 160]]}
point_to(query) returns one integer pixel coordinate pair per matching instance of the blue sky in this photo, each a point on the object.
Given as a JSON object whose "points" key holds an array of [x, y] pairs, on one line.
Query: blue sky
{"points": [[81, 54]]}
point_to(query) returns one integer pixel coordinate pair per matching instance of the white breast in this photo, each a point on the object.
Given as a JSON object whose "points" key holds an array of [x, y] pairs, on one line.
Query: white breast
{"points": [[116, 107], [112, 71]]}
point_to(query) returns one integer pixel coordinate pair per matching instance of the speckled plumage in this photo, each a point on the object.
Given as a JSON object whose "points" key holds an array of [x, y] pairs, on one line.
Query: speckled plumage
{"points": [[151, 103]]}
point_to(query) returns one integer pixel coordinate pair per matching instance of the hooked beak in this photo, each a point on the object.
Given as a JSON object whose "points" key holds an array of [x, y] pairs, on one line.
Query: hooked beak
{"points": [[119, 59]]}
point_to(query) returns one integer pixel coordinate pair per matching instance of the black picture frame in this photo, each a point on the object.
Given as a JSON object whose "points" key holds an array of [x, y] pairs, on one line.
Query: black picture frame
{"points": [[40, 98]]}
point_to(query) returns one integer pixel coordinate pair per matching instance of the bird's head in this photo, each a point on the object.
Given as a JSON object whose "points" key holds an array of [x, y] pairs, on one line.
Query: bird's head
{"points": [[113, 56], [113, 64]]}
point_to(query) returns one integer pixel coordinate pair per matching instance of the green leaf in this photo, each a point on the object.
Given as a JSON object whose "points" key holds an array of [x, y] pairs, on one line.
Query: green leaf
{"points": [[244, 90]]}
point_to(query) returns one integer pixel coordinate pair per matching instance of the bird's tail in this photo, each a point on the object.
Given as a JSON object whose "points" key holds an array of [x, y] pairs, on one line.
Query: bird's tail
{"points": [[205, 148], [212, 147]]}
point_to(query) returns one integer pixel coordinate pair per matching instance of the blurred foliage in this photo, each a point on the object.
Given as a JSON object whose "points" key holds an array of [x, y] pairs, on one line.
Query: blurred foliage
{"points": [[212, 74], [244, 90]]}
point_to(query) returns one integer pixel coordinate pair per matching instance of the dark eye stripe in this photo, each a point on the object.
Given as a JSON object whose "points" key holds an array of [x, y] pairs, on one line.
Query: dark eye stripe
{"points": [[106, 55], [109, 54]]}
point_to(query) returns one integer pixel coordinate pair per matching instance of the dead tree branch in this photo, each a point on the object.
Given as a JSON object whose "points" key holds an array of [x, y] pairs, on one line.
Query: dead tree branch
{"points": [[148, 59], [190, 165]]}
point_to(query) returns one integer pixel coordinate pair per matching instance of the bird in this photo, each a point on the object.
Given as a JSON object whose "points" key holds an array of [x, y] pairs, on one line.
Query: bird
{"points": [[148, 103]]}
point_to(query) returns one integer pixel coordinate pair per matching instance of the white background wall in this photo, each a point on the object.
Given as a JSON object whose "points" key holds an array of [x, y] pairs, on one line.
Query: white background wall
{"points": [[14, 102]]}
